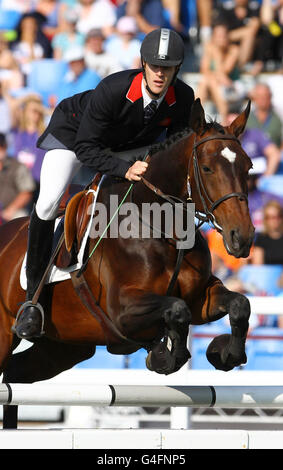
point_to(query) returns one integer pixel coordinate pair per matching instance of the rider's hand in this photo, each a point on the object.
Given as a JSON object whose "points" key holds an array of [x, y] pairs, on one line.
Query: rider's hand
{"points": [[137, 169]]}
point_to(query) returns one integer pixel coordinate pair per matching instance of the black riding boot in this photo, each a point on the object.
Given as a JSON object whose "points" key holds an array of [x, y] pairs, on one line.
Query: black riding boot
{"points": [[30, 319]]}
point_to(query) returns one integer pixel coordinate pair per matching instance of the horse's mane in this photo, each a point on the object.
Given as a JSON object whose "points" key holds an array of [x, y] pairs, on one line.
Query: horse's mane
{"points": [[164, 145], [169, 141]]}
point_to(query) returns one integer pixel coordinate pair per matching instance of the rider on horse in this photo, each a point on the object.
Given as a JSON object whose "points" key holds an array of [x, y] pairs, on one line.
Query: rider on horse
{"points": [[88, 128]]}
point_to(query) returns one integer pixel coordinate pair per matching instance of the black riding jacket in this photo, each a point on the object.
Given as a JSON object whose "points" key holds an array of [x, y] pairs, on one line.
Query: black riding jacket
{"points": [[109, 119]]}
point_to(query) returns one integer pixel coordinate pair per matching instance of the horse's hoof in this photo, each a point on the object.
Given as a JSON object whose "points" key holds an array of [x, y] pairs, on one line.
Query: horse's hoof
{"points": [[160, 360], [218, 354], [148, 361], [168, 356]]}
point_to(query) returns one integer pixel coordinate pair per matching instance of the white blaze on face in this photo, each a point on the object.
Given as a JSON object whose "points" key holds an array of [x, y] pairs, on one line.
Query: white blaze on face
{"points": [[229, 155]]}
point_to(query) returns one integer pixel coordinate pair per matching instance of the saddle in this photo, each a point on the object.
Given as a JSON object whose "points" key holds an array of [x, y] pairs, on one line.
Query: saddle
{"points": [[75, 217]]}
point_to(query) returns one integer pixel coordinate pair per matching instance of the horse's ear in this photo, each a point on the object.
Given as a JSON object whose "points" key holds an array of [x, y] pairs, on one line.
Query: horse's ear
{"points": [[197, 120], [237, 127]]}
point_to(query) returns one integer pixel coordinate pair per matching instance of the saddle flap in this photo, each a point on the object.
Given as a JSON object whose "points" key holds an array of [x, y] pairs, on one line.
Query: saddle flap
{"points": [[77, 216], [71, 191], [83, 216], [70, 219]]}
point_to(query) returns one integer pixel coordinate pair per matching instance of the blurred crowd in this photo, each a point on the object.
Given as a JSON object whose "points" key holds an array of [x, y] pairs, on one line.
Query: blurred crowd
{"points": [[51, 49]]}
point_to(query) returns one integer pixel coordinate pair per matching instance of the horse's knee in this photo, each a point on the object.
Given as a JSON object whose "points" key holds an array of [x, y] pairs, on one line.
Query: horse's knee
{"points": [[239, 311], [177, 314]]}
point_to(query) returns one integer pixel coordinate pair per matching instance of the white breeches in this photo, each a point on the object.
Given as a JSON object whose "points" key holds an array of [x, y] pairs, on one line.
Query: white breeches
{"points": [[58, 169]]}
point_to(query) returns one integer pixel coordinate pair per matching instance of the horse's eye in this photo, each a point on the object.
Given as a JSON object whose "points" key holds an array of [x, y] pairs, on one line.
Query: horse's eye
{"points": [[206, 169]]}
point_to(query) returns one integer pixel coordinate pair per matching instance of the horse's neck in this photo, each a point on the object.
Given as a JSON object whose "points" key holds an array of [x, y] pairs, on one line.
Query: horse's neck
{"points": [[168, 168]]}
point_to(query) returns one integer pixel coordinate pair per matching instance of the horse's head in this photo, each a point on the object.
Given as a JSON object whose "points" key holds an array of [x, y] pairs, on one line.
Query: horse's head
{"points": [[218, 177]]}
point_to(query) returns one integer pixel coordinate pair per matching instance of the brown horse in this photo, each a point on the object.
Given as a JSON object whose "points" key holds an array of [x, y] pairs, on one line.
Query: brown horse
{"points": [[128, 279]]}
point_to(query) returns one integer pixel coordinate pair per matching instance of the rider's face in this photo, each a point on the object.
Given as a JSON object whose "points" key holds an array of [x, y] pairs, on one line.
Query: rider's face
{"points": [[158, 77]]}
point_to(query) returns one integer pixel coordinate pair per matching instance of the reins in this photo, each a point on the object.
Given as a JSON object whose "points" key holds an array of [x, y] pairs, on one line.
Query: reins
{"points": [[202, 192]]}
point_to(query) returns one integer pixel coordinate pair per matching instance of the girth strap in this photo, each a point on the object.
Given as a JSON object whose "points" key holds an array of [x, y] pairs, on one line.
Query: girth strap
{"points": [[174, 277]]}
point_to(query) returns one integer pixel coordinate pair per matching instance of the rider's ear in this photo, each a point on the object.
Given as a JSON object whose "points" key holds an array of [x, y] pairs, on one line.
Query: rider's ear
{"points": [[237, 127], [197, 120]]}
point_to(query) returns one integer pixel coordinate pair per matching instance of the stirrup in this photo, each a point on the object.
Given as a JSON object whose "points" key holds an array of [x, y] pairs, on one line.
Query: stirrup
{"points": [[23, 306]]}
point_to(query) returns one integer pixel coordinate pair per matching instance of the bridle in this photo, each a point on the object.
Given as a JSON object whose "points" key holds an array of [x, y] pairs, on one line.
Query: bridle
{"points": [[202, 192], [206, 215]]}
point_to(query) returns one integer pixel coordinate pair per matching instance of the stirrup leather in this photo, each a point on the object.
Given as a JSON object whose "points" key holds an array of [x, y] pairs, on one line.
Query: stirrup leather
{"points": [[23, 306]]}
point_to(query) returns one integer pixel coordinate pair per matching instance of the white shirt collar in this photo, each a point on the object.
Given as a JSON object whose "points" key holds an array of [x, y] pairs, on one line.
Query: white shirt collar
{"points": [[147, 99]]}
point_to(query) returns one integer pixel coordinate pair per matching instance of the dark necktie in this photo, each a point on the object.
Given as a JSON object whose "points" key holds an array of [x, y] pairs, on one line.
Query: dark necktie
{"points": [[149, 111]]}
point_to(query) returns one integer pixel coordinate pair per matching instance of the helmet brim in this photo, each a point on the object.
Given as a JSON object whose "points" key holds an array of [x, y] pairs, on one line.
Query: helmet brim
{"points": [[163, 62]]}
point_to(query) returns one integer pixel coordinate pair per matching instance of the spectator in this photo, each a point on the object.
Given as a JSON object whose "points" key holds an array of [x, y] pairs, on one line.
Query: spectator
{"points": [[68, 37], [95, 14], [16, 185], [268, 245], [174, 10], [264, 154], [243, 23], [219, 70], [257, 200], [31, 44], [272, 18], [263, 116], [147, 13], [5, 112], [79, 78], [204, 9], [124, 46], [275, 83], [223, 264], [10, 75], [50, 10], [96, 57], [30, 125]]}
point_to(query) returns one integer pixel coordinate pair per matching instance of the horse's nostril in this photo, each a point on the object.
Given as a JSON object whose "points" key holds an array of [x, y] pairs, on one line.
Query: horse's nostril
{"points": [[235, 237]]}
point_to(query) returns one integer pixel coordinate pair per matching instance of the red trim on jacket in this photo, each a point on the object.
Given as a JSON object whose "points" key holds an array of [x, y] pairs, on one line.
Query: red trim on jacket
{"points": [[135, 91], [170, 96]]}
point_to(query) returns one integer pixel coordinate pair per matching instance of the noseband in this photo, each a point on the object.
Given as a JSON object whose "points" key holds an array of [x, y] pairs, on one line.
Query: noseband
{"points": [[208, 211]]}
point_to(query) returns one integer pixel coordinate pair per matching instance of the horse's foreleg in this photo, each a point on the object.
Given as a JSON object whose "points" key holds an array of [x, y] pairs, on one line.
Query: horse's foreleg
{"points": [[228, 350], [166, 318]]}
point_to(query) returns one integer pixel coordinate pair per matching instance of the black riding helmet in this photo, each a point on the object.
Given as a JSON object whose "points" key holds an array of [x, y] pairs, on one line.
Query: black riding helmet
{"points": [[162, 47]]}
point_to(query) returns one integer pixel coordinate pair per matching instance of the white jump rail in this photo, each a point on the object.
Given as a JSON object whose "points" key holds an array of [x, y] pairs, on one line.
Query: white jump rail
{"points": [[143, 395], [266, 305]]}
